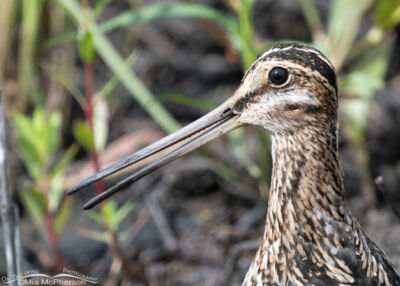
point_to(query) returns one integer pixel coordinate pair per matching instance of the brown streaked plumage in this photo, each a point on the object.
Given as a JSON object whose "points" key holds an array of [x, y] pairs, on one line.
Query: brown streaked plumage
{"points": [[310, 236]]}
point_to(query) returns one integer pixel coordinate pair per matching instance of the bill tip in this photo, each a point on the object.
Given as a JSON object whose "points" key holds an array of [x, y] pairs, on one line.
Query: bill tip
{"points": [[88, 206], [71, 191]]}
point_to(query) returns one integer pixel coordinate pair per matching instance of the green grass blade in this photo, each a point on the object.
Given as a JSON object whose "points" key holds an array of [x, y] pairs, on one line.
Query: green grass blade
{"points": [[246, 32], [344, 22], [114, 61], [135, 86], [31, 11], [162, 11], [112, 83], [62, 216], [7, 19], [313, 19], [155, 12]]}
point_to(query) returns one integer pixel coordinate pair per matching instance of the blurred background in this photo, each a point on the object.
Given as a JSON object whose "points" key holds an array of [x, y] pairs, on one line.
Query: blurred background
{"points": [[85, 83]]}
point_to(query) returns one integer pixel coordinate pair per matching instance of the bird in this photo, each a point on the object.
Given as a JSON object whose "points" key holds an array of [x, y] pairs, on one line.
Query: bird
{"points": [[310, 237]]}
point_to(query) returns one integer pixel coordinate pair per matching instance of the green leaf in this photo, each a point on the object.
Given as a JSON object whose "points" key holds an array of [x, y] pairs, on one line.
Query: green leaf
{"points": [[41, 132], [34, 168], [62, 216], [96, 235], [120, 215], [33, 202], [66, 159], [38, 139], [84, 135], [27, 145], [24, 126], [86, 47], [108, 211], [28, 150], [54, 121], [95, 216], [114, 61], [100, 5], [387, 13], [56, 192]]}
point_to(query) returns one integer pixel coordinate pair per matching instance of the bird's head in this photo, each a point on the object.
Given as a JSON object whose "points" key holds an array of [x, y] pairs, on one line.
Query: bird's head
{"points": [[289, 87]]}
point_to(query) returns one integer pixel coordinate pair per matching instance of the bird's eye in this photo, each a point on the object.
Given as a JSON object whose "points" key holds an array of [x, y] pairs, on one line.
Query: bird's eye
{"points": [[278, 76]]}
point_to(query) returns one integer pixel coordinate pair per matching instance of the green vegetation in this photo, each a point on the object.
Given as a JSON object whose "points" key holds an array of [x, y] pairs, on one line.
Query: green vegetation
{"points": [[361, 60], [38, 141]]}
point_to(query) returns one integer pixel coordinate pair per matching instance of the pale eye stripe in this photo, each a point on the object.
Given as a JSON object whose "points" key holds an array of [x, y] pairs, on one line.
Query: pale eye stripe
{"points": [[292, 97]]}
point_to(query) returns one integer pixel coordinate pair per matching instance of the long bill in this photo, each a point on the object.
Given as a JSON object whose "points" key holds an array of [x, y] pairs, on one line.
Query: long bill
{"points": [[212, 125]]}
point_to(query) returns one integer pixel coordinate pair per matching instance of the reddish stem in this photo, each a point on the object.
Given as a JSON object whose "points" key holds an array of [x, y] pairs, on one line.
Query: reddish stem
{"points": [[89, 111], [52, 240], [134, 271], [89, 90]]}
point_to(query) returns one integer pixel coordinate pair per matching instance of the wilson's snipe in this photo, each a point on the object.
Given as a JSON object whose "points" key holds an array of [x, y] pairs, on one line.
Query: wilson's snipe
{"points": [[310, 236]]}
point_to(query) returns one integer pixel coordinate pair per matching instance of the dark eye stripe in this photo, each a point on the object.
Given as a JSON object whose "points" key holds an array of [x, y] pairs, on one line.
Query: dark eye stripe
{"points": [[292, 106]]}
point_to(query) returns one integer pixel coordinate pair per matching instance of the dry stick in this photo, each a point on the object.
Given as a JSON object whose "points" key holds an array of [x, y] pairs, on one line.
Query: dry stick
{"points": [[9, 213], [160, 218]]}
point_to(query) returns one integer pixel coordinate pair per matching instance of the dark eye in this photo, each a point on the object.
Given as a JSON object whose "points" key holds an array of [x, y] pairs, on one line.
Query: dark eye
{"points": [[278, 76]]}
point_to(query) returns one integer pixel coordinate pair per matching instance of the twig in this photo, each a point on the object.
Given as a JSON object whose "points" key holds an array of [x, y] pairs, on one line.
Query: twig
{"points": [[160, 219], [8, 212]]}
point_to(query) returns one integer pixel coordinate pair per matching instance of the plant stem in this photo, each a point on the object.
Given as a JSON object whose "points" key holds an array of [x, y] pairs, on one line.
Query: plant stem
{"points": [[89, 112], [89, 90], [134, 271], [52, 240], [51, 233]]}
